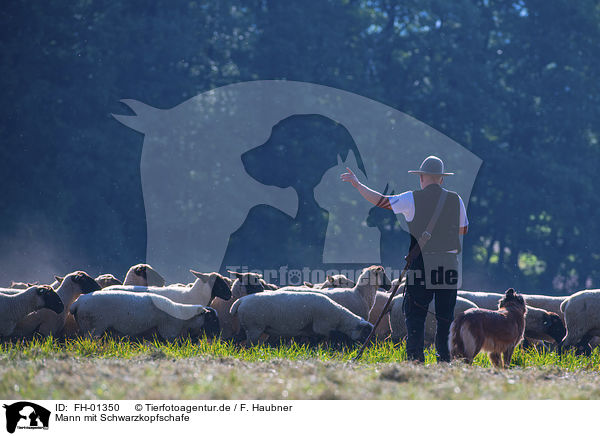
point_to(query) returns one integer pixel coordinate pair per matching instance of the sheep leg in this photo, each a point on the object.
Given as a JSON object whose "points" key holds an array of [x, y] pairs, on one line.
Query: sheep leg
{"points": [[168, 331], [253, 335], [583, 347]]}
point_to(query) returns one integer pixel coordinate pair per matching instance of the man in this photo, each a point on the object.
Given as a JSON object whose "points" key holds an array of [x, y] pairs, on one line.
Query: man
{"points": [[434, 271]]}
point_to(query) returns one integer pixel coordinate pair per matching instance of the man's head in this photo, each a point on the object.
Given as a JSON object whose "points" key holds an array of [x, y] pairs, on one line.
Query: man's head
{"points": [[431, 172], [429, 179]]}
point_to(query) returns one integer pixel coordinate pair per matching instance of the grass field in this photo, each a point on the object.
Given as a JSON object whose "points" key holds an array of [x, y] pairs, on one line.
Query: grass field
{"points": [[109, 368]]}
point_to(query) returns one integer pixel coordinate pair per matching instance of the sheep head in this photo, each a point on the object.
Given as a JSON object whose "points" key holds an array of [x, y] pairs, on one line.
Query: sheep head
{"points": [[362, 331], [246, 284], [106, 280], [83, 281], [375, 275], [219, 286], [49, 298], [554, 326]]}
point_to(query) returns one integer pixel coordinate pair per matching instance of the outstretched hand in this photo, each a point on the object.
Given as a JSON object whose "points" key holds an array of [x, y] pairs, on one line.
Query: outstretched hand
{"points": [[350, 177]]}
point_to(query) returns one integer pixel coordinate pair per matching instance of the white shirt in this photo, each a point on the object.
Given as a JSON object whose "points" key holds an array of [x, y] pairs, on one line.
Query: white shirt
{"points": [[405, 204]]}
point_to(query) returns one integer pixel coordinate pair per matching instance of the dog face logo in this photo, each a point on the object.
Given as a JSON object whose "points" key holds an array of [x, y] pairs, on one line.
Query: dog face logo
{"points": [[26, 415], [248, 175]]}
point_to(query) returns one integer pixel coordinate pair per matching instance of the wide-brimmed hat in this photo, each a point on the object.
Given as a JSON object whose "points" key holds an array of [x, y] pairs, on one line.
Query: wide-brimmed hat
{"points": [[432, 165]]}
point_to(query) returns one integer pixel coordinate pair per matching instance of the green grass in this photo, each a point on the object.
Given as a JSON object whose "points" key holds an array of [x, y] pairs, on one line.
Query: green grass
{"points": [[110, 368], [381, 352]]}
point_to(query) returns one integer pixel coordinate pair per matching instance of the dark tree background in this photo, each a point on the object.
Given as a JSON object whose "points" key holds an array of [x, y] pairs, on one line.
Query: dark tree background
{"points": [[514, 82]]}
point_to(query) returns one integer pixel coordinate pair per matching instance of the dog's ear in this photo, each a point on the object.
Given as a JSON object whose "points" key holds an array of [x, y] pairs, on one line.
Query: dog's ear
{"points": [[510, 292]]}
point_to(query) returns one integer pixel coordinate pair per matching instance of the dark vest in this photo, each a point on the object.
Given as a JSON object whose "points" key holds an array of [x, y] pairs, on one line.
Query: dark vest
{"points": [[445, 236]]}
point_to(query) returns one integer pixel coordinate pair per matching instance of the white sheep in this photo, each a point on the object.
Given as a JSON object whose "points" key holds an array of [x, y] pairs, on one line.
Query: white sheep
{"points": [[206, 287], [582, 316], [540, 324], [47, 322], [546, 302], [383, 329], [140, 313], [106, 280], [143, 274], [14, 307], [244, 284], [359, 299], [293, 314], [398, 321]]}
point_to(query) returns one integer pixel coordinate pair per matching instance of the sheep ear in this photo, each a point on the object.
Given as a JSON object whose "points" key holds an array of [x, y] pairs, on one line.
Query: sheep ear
{"points": [[308, 284], [202, 276], [59, 279]]}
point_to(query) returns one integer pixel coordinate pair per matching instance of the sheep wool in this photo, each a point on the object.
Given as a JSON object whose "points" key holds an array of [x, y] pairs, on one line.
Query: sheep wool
{"points": [[134, 314], [143, 274], [293, 314], [14, 307], [359, 299], [582, 316], [47, 322], [206, 287], [244, 284]]}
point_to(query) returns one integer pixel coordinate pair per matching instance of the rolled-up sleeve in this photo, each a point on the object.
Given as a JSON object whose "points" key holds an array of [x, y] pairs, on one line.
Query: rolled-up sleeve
{"points": [[403, 203], [464, 221]]}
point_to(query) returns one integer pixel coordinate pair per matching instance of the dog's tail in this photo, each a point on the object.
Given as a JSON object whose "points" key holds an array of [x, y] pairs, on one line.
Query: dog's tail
{"points": [[455, 341], [461, 341]]}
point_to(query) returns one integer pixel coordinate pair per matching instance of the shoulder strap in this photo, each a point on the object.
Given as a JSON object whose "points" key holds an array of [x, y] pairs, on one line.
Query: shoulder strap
{"points": [[426, 236]]}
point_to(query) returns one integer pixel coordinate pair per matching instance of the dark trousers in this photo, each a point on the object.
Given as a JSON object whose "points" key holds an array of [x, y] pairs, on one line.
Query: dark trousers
{"points": [[416, 304]]}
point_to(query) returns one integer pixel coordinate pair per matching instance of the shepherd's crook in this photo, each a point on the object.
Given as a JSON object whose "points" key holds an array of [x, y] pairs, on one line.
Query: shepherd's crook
{"points": [[383, 312]]}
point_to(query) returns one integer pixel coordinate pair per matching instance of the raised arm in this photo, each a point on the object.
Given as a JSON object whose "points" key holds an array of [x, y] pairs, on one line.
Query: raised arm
{"points": [[371, 196]]}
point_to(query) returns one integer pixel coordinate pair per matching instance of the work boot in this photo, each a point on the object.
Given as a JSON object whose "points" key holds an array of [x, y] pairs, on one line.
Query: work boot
{"points": [[415, 339]]}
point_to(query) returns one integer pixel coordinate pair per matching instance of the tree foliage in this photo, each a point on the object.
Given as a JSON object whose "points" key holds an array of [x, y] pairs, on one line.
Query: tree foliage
{"points": [[514, 82]]}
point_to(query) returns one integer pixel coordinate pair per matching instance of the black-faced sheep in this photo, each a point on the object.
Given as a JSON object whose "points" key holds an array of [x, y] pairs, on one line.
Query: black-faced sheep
{"points": [[206, 287], [582, 317], [106, 280], [540, 324], [359, 299], [47, 322], [143, 275], [15, 307], [297, 314], [244, 284], [135, 314]]}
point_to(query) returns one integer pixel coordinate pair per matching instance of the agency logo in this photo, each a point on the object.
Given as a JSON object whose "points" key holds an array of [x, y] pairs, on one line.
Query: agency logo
{"points": [[248, 175], [26, 415]]}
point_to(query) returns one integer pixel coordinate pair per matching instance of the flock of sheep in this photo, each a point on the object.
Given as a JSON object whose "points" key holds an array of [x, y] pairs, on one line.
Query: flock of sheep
{"points": [[245, 307]]}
